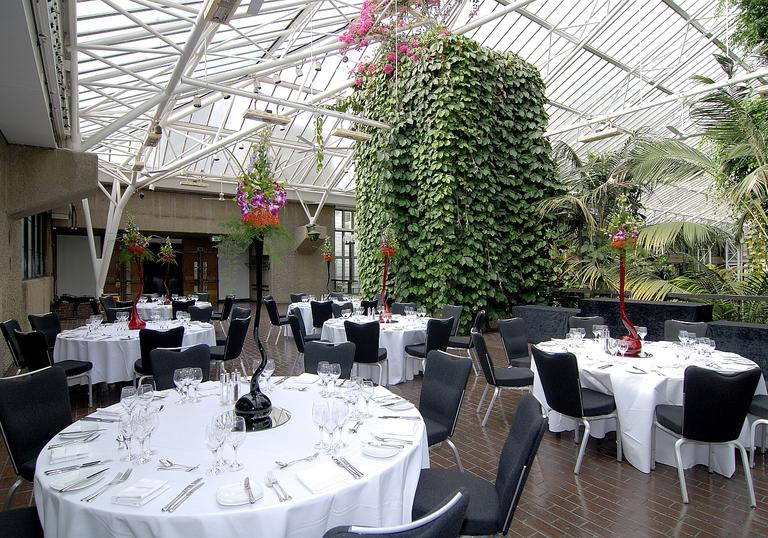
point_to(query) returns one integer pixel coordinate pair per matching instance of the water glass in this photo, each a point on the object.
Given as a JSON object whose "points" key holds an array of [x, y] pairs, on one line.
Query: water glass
{"points": [[195, 377], [236, 438], [125, 428], [179, 379], [623, 347], [323, 370], [266, 373], [366, 391], [642, 332], [334, 373], [146, 392], [613, 346], [320, 413], [214, 439], [128, 397]]}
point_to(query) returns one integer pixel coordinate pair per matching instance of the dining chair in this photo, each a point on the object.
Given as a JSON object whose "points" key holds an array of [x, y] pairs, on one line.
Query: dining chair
{"points": [[237, 312], [672, 328], [515, 341], [365, 336], [295, 323], [111, 313], [296, 311], [559, 377], [444, 521], [275, 319], [438, 336], [8, 327], [200, 313], [465, 342], [180, 306], [586, 323], [233, 347], [342, 353], [399, 308], [150, 339], [758, 408], [203, 297], [34, 350], [21, 523], [369, 307], [48, 324], [336, 296], [715, 406], [321, 312], [455, 312], [499, 378], [297, 297], [163, 362], [442, 393], [492, 505], [34, 407], [221, 317], [123, 304], [337, 309], [107, 301]]}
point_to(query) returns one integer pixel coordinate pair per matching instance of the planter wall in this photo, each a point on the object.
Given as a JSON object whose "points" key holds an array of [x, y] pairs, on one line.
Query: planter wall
{"points": [[544, 322], [747, 339]]}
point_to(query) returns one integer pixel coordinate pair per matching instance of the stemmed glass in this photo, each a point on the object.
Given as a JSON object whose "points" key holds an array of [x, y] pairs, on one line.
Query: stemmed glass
{"points": [[340, 415], [334, 373], [351, 396], [126, 431], [145, 393], [236, 438], [613, 346], [128, 396], [266, 373], [642, 332], [153, 419], [597, 330], [195, 377], [143, 424], [214, 439], [320, 413], [623, 347], [323, 370], [366, 391], [180, 380]]}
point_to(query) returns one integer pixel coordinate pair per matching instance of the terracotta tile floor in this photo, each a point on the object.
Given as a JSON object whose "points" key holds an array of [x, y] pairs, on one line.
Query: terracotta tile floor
{"points": [[608, 498]]}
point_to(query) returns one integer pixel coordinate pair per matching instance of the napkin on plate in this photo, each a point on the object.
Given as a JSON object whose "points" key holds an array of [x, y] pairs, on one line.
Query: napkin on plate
{"points": [[69, 452], [323, 476], [305, 379], [381, 392], [140, 492], [399, 427]]}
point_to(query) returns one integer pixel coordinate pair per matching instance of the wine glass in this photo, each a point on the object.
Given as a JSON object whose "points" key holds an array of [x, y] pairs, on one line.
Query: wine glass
{"points": [[142, 426], [146, 392], [323, 370], [236, 437], [642, 332], [623, 347], [214, 438], [334, 373], [266, 373], [340, 414], [128, 397], [597, 330], [179, 379], [153, 419], [195, 376], [320, 417], [580, 333], [351, 396], [126, 431], [613, 346], [366, 391]]}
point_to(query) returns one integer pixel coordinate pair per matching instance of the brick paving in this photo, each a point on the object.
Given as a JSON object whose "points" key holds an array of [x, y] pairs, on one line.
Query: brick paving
{"points": [[608, 498]]}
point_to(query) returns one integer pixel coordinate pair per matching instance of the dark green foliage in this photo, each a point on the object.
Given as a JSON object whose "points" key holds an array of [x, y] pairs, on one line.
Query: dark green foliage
{"points": [[752, 24]]}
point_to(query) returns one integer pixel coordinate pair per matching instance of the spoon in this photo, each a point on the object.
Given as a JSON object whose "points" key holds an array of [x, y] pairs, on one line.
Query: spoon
{"points": [[357, 425], [300, 389], [283, 465], [271, 482], [167, 464]]}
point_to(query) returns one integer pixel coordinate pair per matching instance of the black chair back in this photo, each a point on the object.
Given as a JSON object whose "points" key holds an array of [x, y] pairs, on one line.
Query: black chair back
{"points": [[8, 327], [586, 323], [453, 311], [274, 315], [483, 357], [48, 324], [336, 296], [229, 302], [107, 301], [296, 329], [442, 391], [150, 339], [399, 308], [559, 377], [238, 330], [343, 353], [111, 313], [200, 313], [180, 306], [672, 328], [34, 349], [517, 457], [203, 297], [337, 308], [365, 336], [438, 334], [34, 407], [715, 404], [321, 312], [123, 304], [297, 297], [514, 338], [163, 362], [239, 312], [479, 324], [369, 306]]}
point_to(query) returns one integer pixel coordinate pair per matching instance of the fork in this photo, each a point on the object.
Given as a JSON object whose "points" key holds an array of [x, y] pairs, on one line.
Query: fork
{"points": [[356, 427], [88, 439], [271, 482], [119, 479], [393, 439], [300, 389], [283, 465]]}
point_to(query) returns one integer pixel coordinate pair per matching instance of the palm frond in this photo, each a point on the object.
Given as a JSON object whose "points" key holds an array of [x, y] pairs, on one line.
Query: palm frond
{"points": [[678, 235], [657, 162]]}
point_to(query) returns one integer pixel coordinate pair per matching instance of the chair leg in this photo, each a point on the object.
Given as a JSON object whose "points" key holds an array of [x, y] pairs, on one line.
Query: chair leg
{"points": [[455, 454], [11, 492], [709, 458], [576, 435], [490, 405], [277, 338], [472, 358], [90, 390], [752, 435], [619, 450], [653, 445], [583, 447], [747, 474], [482, 398], [298, 356], [269, 333], [381, 372], [680, 473], [242, 367]]}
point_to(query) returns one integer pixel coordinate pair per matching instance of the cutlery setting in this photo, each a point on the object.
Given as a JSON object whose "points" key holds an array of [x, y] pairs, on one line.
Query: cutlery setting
{"points": [[270, 480], [185, 494], [393, 439], [76, 484], [88, 439], [283, 465], [344, 464], [300, 389], [69, 468], [119, 479], [167, 465], [247, 486]]}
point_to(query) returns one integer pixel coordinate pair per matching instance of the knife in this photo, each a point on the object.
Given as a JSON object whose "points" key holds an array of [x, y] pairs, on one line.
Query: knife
{"points": [[185, 496], [97, 419], [82, 480], [283, 380], [384, 445], [397, 416], [60, 470], [338, 462], [354, 469], [191, 485], [247, 484]]}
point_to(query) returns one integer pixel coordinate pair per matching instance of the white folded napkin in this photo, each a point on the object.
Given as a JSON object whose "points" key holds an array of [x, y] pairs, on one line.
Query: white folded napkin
{"points": [[381, 392], [399, 427], [323, 476], [69, 452], [140, 492], [305, 379], [208, 386]]}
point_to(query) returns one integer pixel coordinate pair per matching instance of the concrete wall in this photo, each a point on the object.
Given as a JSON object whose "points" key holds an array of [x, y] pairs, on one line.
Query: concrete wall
{"points": [[11, 297], [37, 293], [74, 270]]}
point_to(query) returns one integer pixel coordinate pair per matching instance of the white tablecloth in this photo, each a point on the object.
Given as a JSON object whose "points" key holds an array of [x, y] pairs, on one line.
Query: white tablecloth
{"points": [[146, 310], [637, 396], [305, 308], [394, 337], [113, 353], [383, 497]]}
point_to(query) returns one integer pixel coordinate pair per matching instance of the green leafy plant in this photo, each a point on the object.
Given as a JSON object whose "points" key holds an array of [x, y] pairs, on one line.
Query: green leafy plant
{"points": [[167, 256], [134, 246], [751, 29], [320, 141]]}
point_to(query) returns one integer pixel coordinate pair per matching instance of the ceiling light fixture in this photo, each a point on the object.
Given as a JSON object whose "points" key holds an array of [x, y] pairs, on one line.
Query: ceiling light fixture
{"points": [[319, 66], [197, 102], [351, 134], [277, 79], [221, 11], [299, 72], [601, 134], [266, 117]]}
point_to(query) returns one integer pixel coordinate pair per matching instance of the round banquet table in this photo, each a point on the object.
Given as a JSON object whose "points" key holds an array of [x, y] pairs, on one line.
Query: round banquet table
{"points": [[393, 336], [113, 352], [165, 311], [384, 495], [305, 308], [639, 384]]}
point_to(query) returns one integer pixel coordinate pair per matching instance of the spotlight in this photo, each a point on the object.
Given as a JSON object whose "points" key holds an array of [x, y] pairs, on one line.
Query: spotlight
{"points": [[227, 96], [241, 146], [277, 79], [151, 187], [318, 66], [345, 59], [196, 101], [141, 195], [299, 72], [215, 157]]}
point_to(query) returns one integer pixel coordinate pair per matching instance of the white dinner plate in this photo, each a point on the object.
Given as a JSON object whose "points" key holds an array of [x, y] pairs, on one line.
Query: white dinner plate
{"points": [[381, 452], [400, 406], [66, 479], [235, 494], [79, 428]]}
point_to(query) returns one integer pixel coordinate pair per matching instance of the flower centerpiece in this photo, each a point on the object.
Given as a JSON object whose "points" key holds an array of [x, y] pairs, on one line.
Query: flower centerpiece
{"points": [[260, 197], [387, 248], [167, 257], [327, 252], [135, 248]]}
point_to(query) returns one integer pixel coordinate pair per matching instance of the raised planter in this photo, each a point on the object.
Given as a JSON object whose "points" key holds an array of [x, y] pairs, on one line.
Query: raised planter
{"points": [[545, 322], [747, 339]]}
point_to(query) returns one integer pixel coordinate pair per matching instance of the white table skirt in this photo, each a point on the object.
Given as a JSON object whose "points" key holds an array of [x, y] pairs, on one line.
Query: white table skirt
{"points": [[305, 308], [383, 497], [146, 310], [637, 396], [113, 354], [394, 337]]}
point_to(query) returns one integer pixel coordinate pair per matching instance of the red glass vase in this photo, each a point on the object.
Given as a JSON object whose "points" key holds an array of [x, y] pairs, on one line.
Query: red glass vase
{"points": [[136, 322], [633, 339]]}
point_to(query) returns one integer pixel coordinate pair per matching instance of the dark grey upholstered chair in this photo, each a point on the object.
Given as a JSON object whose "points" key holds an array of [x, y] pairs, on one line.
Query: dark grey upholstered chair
{"points": [[34, 407], [22, 523], [338, 308], [365, 336], [759, 409], [559, 376], [200, 313], [297, 297], [48, 324], [515, 341], [111, 313], [298, 338], [164, 362], [237, 312], [8, 327], [455, 312], [369, 307], [465, 342], [715, 405], [233, 347], [498, 378], [226, 310], [438, 335], [343, 354], [275, 319], [150, 339], [444, 521], [336, 296], [180, 306], [586, 323], [442, 393], [107, 301], [34, 350], [203, 297], [321, 312], [399, 308], [492, 505], [305, 337], [123, 304], [672, 328]]}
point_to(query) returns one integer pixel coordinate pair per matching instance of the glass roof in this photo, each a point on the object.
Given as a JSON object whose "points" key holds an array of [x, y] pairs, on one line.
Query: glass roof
{"points": [[141, 63]]}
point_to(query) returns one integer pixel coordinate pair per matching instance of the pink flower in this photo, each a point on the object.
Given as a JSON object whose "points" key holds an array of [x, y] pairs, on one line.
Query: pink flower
{"points": [[388, 68], [371, 69], [391, 56], [445, 31], [364, 43], [402, 48], [358, 81]]}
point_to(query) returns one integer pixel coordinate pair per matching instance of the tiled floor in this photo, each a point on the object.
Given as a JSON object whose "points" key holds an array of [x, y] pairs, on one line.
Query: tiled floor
{"points": [[608, 498]]}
